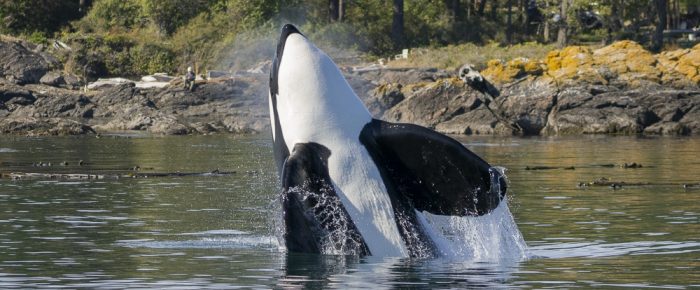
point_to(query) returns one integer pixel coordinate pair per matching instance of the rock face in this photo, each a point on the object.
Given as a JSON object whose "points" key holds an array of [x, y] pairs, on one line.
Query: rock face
{"points": [[234, 105], [537, 106], [21, 65], [623, 63], [618, 89]]}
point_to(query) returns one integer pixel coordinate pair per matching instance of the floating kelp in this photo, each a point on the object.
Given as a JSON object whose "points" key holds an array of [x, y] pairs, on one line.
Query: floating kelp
{"points": [[619, 184], [610, 165], [632, 165], [112, 175]]}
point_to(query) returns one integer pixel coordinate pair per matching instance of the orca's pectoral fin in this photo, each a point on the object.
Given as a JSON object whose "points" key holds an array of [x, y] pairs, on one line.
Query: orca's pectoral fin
{"points": [[315, 220], [435, 172]]}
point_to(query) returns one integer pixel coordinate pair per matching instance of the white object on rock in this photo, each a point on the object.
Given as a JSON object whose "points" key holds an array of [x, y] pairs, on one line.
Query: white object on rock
{"points": [[106, 83]]}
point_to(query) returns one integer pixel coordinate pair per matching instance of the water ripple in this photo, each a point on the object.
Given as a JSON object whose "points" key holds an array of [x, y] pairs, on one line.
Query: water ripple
{"points": [[596, 250]]}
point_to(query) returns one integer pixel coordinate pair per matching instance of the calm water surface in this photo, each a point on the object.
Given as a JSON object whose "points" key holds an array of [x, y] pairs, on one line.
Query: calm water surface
{"points": [[220, 231]]}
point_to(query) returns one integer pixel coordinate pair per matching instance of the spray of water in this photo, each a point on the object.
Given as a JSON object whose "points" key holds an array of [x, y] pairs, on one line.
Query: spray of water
{"points": [[334, 229], [493, 237]]}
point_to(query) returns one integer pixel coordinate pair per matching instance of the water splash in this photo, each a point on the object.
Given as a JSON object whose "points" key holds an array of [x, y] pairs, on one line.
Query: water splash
{"points": [[335, 230], [491, 237]]}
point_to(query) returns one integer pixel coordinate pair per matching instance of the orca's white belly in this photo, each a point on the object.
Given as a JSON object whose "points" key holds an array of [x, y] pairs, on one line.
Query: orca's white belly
{"points": [[364, 195]]}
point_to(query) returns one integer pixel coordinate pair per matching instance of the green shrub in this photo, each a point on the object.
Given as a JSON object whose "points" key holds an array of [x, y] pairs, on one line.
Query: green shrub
{"points": [[29, 16], [169, 15], [38, 37], [151, 58], [108, 14]]}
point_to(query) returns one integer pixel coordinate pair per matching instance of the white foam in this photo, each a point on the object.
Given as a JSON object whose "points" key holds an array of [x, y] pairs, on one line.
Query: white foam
{"points": [[231, 242], [491, 237]]}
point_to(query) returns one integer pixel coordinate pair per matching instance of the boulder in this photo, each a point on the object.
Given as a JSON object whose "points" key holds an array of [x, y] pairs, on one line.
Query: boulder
{"points": [[21, 65], [212, 74], [108, 83], [52, 78], [657, 111], [629, 61], [33, 126], [384, 97], [72, 81], [448, 106], [403, 76], [527, 105]]}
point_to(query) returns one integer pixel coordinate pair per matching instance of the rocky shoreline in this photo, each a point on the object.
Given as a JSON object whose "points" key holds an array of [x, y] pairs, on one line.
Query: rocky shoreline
{"points": [[619, 89]]}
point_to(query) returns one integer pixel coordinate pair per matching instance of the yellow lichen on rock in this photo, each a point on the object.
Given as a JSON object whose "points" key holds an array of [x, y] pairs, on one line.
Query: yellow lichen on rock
{"points": [[553, 60], [688, 64], [628, 57], [575, 56], [526, 66], [667, 64], [500, 72], [568, 62], [495, 71], [624, 60]]}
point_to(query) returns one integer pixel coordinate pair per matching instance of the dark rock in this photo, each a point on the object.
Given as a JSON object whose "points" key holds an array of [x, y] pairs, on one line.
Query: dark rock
{"points": [[691, 120], [43, 126], [217, 74], [224, 105], [528, 105], [72, 81], [21, 65], [384, 97], [450, 107], [14, 96], [52, 79], [403, 76]]}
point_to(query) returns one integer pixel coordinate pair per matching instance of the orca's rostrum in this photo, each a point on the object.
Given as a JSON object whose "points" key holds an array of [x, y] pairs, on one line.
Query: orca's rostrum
{"points": [[356, 185]]}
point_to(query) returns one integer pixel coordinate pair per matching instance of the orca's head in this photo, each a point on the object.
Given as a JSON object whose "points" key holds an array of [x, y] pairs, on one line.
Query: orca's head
{"points": [[309, 96], [304, 76], [287, 30]]}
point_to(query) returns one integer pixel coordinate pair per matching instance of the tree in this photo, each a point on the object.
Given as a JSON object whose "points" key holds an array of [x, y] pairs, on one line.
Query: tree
{"points": [[661, 10], [336, 10], [45, 16], [168, 15], [456, 14], [562, 35], [397, 31], [108, 14], [482, 6], [509, 26]]}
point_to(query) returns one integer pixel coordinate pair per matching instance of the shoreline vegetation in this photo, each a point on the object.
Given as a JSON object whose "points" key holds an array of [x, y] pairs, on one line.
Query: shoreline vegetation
{"points": [[627, 86]]}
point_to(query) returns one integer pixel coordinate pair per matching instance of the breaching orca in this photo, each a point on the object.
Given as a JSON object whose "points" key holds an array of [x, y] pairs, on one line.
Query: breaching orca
{"points": [[352, 184]]}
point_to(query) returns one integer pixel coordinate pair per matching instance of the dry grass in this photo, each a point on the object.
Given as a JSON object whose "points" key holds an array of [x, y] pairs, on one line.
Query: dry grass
{"points": [[9, 38], [454, 56]]}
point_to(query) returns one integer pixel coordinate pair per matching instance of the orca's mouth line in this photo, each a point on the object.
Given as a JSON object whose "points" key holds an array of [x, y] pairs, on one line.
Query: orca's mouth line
{"points": [[287, 30]]}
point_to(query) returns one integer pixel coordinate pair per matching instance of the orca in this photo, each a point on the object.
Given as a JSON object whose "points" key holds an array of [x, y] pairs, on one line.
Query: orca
{"points": [[352, 184]]}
